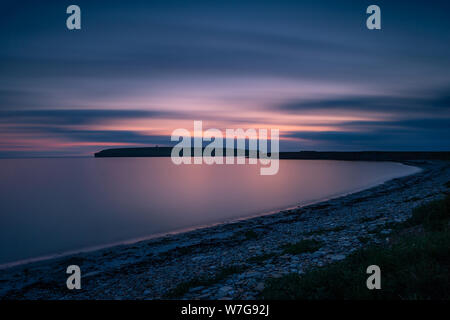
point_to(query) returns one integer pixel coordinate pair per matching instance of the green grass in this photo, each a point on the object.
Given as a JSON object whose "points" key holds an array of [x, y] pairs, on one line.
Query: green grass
{"points": [[184, 287], [415, 266], [302, 246], [432, 216]]}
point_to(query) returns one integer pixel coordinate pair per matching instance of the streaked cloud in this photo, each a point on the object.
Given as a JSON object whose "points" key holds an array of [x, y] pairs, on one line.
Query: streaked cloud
{"points": [[139, 69]]}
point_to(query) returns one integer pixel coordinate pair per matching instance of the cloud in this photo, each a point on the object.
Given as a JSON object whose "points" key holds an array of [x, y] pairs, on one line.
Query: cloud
{"points": [[412, 121], [407, 105], [103, 136], [72, 116], [429, 134], [201, 57]]}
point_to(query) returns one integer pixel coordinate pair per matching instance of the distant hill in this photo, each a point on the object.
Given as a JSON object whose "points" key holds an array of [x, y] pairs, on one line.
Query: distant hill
{"points": [[367, 155], [147, 152], [135, 152], [301, 155]]}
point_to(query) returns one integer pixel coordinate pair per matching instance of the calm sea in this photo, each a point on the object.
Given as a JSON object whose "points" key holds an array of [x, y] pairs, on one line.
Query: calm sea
{"points": [[50, 206]]}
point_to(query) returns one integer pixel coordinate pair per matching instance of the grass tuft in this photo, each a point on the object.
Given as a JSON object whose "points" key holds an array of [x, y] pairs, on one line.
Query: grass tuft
{"points": [[431, 215], [416, 266]]}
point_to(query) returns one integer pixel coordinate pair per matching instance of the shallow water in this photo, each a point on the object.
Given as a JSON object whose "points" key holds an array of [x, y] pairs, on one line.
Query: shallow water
{"points": [[50, 206]]}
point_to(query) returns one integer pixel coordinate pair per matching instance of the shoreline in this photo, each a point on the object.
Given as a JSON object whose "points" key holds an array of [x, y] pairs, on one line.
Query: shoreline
{"points": [[59, 255], [133, 271]]}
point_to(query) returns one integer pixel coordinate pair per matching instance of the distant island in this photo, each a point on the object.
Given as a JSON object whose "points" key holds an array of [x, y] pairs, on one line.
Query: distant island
{"points": [[300, 155]]}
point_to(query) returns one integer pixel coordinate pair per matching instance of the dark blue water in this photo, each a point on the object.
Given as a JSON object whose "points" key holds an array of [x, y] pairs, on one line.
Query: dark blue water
{"points": [[50, 206]]}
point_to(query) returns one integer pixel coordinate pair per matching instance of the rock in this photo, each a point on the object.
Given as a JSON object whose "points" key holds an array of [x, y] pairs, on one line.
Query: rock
{"points": [[337, 257], [198, 258], [346, 244], [317, 254], [277, 275], [225, 290], [251, 274], [259, 286], [197, 288]]}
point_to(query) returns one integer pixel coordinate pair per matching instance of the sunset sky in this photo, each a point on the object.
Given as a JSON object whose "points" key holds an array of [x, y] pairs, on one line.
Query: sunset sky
{"points": [[137, 70]]}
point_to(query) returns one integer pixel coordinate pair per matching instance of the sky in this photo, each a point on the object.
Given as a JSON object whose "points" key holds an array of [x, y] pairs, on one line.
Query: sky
{"points": [[137, 70]]}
